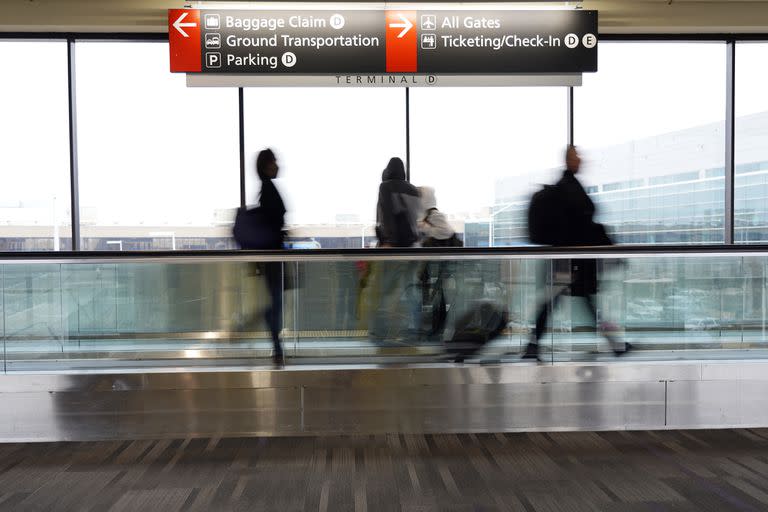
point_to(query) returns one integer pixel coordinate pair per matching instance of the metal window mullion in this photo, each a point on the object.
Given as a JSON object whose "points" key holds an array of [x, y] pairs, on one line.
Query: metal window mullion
{"points": [[730, 128], [570, 116], [74, 185], [241, 131], [408, 134], [3, 309]]}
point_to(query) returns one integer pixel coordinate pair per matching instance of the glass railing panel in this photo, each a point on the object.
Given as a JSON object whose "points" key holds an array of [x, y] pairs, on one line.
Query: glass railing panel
{"points": [[90, 295], [33, 308], [375, 308], [243, 311], [334, 307], [91, 315], [589, 319], [671, 308], [525, 293], [408, 307], [684, 304], [754, 302], [2, 307]]}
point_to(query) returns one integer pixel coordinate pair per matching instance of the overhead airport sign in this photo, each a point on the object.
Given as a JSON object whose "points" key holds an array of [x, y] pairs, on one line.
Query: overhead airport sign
{"points": [[374, 41]]}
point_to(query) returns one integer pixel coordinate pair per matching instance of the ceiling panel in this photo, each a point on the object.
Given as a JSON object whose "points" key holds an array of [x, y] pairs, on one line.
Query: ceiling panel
{"points": [[616, 16]]}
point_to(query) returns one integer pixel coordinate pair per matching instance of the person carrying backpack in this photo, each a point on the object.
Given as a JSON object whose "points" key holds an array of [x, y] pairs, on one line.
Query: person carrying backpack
{"points": [[397, 214], [398, 208], [563, 215]]}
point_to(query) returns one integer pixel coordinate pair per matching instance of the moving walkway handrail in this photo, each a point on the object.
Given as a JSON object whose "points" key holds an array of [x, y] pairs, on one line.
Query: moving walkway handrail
{"points": [[418, 253]]}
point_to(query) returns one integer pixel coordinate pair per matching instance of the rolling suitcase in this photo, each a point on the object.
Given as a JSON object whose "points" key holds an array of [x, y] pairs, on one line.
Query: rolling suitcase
{"points": [[475, 329]]}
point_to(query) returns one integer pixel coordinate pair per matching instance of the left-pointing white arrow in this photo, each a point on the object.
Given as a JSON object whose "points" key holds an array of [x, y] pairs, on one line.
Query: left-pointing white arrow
{"points": [[405, 25], [178, 24]]}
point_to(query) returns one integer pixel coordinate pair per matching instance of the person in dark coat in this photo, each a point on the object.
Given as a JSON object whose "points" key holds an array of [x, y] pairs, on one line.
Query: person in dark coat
{"points": [[397, 214], [580, 230], [274, 209], [398, 208]]}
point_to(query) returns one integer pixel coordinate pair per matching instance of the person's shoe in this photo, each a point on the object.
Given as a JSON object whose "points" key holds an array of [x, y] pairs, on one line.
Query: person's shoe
{"points": [[620, 352], [278, 359], [531, 351]]}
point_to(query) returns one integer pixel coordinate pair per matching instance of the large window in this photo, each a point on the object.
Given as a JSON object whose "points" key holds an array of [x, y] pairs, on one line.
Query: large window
{"points": [[484, 150], [651, 126], [332, 145], [159, 162], [34, 147], [751, 155]]}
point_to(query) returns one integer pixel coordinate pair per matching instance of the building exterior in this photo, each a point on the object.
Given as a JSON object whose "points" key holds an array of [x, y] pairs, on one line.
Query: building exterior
{"points": [[669, 191]]}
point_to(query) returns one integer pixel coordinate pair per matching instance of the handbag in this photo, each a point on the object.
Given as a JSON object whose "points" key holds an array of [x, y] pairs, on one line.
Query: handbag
{"points": [[252, 230]]}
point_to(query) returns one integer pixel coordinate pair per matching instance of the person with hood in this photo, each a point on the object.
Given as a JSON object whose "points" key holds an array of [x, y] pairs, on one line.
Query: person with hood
{"points": [[398, 208], [397, 214], [576, 211], [274, 214]]}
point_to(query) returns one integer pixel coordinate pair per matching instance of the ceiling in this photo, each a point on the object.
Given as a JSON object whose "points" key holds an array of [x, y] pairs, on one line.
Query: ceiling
{"points": [[616, 16]]}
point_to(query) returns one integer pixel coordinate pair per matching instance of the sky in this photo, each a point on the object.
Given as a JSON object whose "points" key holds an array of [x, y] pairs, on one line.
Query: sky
{"points": [[154, 152]]}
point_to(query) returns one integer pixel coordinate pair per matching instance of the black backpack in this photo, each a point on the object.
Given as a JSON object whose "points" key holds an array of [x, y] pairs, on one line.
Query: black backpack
{"points": [[404, 234], [546, 217]]}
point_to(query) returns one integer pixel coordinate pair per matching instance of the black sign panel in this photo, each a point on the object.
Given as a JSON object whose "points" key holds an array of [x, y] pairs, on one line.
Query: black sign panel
{"points": [[375, 41], [507, 41]]}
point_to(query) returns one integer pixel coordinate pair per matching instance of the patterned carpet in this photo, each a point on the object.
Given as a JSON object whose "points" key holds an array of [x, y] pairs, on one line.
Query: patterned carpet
{"points": [[612, 471]]}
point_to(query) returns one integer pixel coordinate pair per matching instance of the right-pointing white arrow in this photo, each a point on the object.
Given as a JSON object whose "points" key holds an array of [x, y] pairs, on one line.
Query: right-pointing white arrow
{"points": [[405, 25], [178, 24]]}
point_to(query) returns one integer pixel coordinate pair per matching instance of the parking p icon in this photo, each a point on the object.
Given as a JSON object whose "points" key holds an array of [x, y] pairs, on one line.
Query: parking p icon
{"points": [[213, 60]]}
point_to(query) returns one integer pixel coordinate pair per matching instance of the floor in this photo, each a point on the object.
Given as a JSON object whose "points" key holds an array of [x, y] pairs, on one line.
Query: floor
{"points": [[537, 472]]}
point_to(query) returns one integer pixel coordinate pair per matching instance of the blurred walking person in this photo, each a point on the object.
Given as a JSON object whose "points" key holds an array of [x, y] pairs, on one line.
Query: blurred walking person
{"points": [[273, 210], [397, 214], [563, 215], [436, 231]]}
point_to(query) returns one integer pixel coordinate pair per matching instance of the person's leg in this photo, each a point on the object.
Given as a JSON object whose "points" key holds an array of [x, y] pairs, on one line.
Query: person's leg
{"points": [[274, 314], [386, 323], [410, 303], [440, 315], [545, 309], [616, 345], [425, 283], [449, 287], [545, 277], [589, 302]]}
